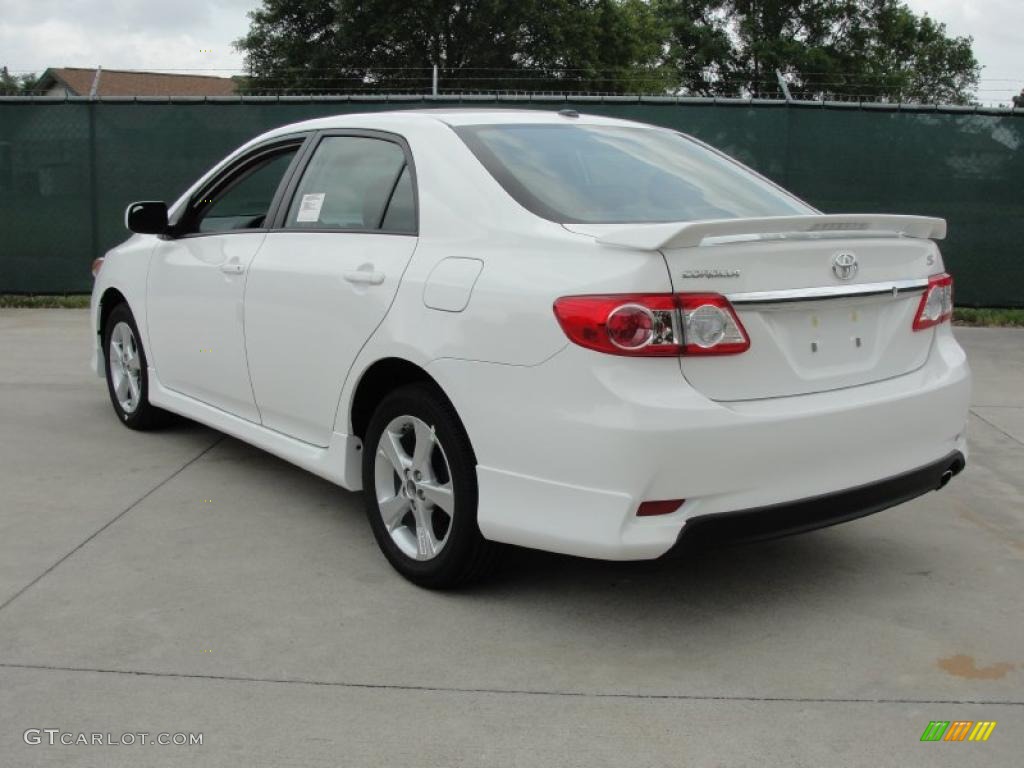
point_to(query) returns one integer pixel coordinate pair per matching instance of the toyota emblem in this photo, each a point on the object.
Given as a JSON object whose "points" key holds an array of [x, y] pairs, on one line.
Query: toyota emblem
{"points": [[844, 265]]}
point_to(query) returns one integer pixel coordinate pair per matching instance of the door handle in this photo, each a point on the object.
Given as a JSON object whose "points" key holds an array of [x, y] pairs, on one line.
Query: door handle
{"points": [[232, 268], [363, 277]]}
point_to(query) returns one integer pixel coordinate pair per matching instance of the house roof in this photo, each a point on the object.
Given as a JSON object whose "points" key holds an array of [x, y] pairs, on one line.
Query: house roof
{"points": [[119, 82]]}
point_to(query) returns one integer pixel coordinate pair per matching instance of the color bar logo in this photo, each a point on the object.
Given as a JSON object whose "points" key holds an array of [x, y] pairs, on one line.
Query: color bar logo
{"points": [[958, 730]]}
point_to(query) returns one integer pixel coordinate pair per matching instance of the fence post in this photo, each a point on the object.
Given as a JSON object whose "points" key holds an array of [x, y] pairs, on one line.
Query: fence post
{"points": [[783, 85], [96, 82], [94, 218]]}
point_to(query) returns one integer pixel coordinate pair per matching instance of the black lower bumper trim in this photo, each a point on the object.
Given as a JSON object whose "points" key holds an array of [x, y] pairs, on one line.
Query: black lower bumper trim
{"points": [[818, 511]]}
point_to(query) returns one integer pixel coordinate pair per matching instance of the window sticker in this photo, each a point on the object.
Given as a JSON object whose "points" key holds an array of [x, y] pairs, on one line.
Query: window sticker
{"points": [[309, 209]]}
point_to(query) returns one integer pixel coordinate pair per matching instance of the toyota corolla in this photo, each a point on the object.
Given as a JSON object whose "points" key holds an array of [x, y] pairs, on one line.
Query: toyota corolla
{"points": [[573, 333]]}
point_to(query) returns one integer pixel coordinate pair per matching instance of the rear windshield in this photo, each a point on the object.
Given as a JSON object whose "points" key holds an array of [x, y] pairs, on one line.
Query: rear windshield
{"points": [[610, 174]]}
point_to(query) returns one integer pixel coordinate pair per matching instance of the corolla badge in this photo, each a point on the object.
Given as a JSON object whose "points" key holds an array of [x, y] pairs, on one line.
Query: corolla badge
{"points": [[711, 273], [844, 265]]}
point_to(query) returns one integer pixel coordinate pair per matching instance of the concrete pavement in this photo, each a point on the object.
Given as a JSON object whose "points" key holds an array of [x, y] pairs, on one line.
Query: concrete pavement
{"points": [[182, 581]]}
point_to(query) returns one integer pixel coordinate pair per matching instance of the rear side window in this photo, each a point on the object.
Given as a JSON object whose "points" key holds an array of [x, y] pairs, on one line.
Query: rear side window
{"points": [[401, 212], [354, 183], [610, 174]]}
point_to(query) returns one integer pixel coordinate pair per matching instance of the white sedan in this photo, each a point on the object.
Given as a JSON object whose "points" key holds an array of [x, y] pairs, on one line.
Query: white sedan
{"points": [[573, 333]]}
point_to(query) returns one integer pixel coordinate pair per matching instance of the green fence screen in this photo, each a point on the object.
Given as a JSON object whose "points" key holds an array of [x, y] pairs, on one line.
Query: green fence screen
{"points": [[69, 168]]}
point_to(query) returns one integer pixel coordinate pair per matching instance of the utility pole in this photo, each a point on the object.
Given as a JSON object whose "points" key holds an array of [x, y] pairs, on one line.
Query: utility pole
{"points": [[434, 89]]}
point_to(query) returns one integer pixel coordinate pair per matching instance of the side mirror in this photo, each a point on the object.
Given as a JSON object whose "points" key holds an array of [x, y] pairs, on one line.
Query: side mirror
{"points": [[147, 218]]}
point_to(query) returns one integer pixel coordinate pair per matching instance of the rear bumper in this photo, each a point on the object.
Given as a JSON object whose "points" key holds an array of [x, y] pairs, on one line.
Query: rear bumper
{"points": [[822, 511], [567, 450]]}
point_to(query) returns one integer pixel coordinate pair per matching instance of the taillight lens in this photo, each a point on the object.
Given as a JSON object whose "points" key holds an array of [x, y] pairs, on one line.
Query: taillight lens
{"points": [[710, 325], [653, 325], [627, 324], [97, 265], [936, 304]]}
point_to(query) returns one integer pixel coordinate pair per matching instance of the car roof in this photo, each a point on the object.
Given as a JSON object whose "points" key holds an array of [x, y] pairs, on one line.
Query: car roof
{"points": [[497, 116], [395, 119]]}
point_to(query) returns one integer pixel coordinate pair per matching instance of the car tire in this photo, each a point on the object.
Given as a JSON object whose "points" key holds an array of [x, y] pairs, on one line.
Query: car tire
{"points": [[417, 460], [127, 372]]}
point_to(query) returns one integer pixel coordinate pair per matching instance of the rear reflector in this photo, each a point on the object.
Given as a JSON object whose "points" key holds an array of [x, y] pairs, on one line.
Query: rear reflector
{"points": [[651, 508], [936, 304], [97, 265], [653, 325]]}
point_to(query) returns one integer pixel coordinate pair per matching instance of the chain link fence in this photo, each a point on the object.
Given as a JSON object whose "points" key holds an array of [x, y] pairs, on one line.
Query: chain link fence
{"points": [[69, 167]]}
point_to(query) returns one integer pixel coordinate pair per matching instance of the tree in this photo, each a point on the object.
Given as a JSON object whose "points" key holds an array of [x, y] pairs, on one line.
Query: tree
{"points": [[698, 55], [850, 49], [916, 60], [336, 45], [15, 85], [825, 48], [1018, 101], [607, 46]]}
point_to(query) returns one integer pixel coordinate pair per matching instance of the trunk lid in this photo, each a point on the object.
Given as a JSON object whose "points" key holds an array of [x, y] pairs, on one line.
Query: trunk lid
{"points": [[810, 330]]}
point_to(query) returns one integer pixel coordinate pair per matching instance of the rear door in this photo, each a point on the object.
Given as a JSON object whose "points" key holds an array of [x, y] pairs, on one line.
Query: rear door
{"points": [[326, 276]]}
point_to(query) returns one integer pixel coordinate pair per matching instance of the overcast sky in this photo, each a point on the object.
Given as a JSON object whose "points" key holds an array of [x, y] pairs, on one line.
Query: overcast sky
{"points": [[197, 34]]}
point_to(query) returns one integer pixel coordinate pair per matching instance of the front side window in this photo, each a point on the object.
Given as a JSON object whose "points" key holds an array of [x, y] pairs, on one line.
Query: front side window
{"points": [[244, 200], [609, 174], [354, 183]]}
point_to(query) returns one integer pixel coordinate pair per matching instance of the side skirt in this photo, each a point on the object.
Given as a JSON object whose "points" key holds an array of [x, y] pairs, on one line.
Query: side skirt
{"points": [[340, 462]]}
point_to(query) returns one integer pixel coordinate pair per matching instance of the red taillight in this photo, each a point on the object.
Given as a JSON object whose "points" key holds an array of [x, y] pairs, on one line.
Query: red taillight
{"points": [[627, 324], [653, 325], [936, 304], [652, 508]]}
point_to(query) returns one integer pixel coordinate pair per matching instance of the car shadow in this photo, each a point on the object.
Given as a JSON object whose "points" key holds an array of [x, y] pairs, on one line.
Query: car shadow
{"points": [[756, 567], [781, 580], [785, 575]]}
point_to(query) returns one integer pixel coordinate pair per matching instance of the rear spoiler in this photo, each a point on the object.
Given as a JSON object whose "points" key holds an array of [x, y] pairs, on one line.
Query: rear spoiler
{"points": [[658, 237]]}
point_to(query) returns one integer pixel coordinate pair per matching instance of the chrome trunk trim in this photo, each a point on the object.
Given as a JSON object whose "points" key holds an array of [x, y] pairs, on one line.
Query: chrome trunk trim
{"points": [[893, 288]]}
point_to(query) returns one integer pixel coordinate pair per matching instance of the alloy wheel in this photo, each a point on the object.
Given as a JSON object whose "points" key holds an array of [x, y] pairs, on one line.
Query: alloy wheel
{"points": [[125, 367], [413, 487]]}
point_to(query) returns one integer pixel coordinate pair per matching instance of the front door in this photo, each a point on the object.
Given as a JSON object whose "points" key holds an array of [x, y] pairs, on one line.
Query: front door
{"points": [[325, 277], [197, 280]]}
